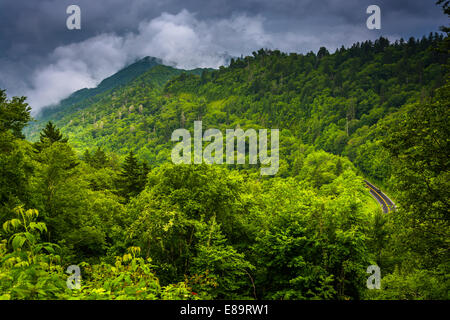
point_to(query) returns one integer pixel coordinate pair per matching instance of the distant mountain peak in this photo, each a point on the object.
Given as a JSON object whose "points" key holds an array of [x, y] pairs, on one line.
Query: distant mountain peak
{"points": [[121, 77]]}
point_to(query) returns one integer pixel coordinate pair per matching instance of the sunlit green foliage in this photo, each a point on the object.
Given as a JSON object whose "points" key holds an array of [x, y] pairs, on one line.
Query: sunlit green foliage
{"points": [[139, 227]]}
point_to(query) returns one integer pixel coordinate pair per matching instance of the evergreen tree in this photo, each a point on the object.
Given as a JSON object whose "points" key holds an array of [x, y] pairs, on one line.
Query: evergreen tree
{"points": [[100, 159], [323, 52], [49, 135], [145, 169], [130, 181], [52, 133], [87, 156], [96, 160]]}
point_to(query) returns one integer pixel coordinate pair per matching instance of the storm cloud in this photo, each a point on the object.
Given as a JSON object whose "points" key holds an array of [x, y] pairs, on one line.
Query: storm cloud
{"points": [[42, 59]]}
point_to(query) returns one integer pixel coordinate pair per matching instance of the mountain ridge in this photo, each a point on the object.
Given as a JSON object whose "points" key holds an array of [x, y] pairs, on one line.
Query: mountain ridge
{"points": [[151, 69], [121, 77], [332, 101]]}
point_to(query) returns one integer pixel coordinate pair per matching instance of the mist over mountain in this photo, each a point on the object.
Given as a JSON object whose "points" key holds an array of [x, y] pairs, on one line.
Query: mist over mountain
{"points": [[349, 202], [41, 59], [83, 98], [122, 77], [269, 88]]}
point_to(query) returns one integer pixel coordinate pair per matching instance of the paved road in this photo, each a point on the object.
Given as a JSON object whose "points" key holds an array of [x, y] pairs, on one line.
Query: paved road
{"points": [[382, 199]]}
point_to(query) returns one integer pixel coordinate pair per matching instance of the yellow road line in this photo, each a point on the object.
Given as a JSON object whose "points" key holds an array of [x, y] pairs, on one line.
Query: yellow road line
{"points": [[387, 206]]}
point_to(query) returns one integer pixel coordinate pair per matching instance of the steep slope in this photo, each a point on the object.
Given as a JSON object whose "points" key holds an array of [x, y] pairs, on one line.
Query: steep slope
{"points": [[332, 102], [122, 77], [147, 73], [308, 233]]}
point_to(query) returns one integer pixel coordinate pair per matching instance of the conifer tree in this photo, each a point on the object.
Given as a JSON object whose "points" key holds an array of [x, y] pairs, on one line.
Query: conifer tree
{"points": [[130, 182], [87, 156], [49, 135], [145, 169], [96, 160], [52, 133], [99, 159]]}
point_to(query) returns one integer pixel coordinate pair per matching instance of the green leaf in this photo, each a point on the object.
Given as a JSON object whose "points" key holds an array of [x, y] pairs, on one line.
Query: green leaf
{"points": [[18, 242]]}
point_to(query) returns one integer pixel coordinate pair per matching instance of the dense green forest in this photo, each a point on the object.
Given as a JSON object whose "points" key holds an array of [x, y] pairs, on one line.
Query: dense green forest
{"points": [[91, 182]]}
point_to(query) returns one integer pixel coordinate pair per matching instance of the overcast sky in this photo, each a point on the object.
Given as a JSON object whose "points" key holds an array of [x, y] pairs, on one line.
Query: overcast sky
{"points": [[42, 59]]}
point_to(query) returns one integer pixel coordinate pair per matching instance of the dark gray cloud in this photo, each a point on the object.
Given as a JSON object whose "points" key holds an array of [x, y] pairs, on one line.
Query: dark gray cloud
{"points": [[40, 58]]}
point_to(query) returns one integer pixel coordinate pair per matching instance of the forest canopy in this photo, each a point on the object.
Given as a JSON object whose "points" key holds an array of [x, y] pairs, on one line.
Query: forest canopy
{"points": [[90, 183]]}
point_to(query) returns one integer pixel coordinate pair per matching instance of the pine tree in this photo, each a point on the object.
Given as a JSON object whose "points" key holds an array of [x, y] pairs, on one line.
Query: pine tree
{"points": [[49, 135], [52, 133], [99, 159], [130, 182], [339, 167], [87, 156], [145, 169], [96, 160]]}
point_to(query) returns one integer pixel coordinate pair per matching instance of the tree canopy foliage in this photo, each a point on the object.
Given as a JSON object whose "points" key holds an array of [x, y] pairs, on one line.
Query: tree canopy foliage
{"points": [[95, 186]]}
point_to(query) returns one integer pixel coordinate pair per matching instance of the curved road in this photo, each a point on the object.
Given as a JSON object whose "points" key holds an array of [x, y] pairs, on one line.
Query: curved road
{"points": [[381, 198]]}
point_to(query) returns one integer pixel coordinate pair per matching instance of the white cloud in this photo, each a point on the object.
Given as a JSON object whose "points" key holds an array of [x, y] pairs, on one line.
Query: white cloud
{"points": [[76, 66], [180, 40]]}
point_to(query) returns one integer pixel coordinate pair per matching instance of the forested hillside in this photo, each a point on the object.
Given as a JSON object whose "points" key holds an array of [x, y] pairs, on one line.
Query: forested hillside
{"points": [[120, 78], [95, 187], [332, 102]]}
